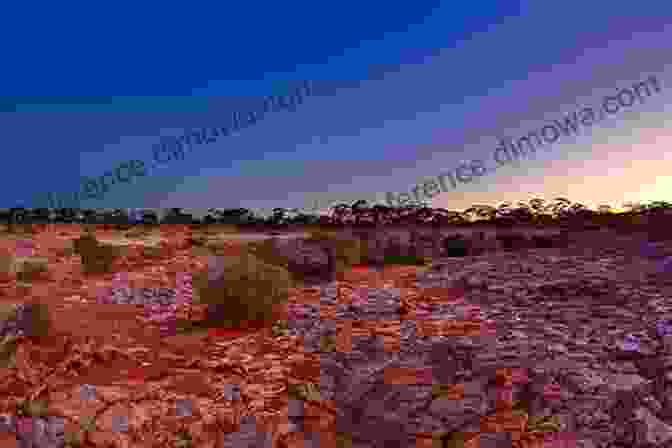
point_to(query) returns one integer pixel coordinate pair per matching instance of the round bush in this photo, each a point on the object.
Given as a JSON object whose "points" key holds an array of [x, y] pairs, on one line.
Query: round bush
{"points": [[244, 289], [85, 243]]}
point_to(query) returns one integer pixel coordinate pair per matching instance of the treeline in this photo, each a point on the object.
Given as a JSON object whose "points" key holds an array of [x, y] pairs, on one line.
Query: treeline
{"points": [[360, 213]]}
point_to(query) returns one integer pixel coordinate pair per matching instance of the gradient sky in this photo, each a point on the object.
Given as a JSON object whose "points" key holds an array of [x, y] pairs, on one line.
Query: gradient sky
{"points": [[407, 92]]}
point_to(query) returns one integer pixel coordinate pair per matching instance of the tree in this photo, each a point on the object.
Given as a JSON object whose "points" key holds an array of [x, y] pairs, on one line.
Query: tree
{"points": [[88, 216], [441, 216], [359, 208], [469, 214], [176, 216], [657, 207], [41, 215], [149, 217], [305, 218], [604, 209], [381, 214], [65, 215], [231, 215], [278, 216], [539, 209], [210, 217], [340, 213], [424, 215], [522, 213], [504, 210], [480, 212], [633, 207], [16, 215], [537, 205]]}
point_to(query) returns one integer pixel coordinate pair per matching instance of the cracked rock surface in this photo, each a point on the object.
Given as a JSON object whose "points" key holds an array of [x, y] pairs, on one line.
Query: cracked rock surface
{"points": [[586, 338]]}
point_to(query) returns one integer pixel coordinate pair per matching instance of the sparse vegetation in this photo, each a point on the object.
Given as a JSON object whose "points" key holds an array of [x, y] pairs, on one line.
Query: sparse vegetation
{"points": [[254, 280], [34, 319], [347, 250], [76, 439], [97, 258], [153, 253], [137, 232], [86, 242], [7, 264], [197, 241], [184, 439], [8, 346], [267, 252], [32, 408], [405, 260], [245, 289], [31, 269]]}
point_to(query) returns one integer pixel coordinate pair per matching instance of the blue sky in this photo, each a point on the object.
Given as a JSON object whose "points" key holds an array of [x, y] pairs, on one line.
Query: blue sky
{"points": [[408, 91]]}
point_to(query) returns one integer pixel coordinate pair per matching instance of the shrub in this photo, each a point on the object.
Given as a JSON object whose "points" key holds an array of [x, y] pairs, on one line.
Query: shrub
{"points": [[21, 228], [314, 263], [405, 260], [197, 241], [153, 252], [65, 251], [84, 243], [305, 260], [101, 261], [32, 269], [347, 250], [32, 408], [8, 345], [321, 234], [96, 258], [267, 251], [7, 263], [32, 318], [372, 248], [122, 226], [245, 288], [137, 232]]}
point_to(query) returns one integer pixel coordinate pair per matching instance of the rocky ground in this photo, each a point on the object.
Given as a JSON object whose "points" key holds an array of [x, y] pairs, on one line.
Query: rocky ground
{"points": [[580, 338], [538, 348]]}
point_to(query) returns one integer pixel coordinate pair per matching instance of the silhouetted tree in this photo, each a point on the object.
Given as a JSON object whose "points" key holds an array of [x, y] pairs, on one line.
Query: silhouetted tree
{"points": [[341, 213]]}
